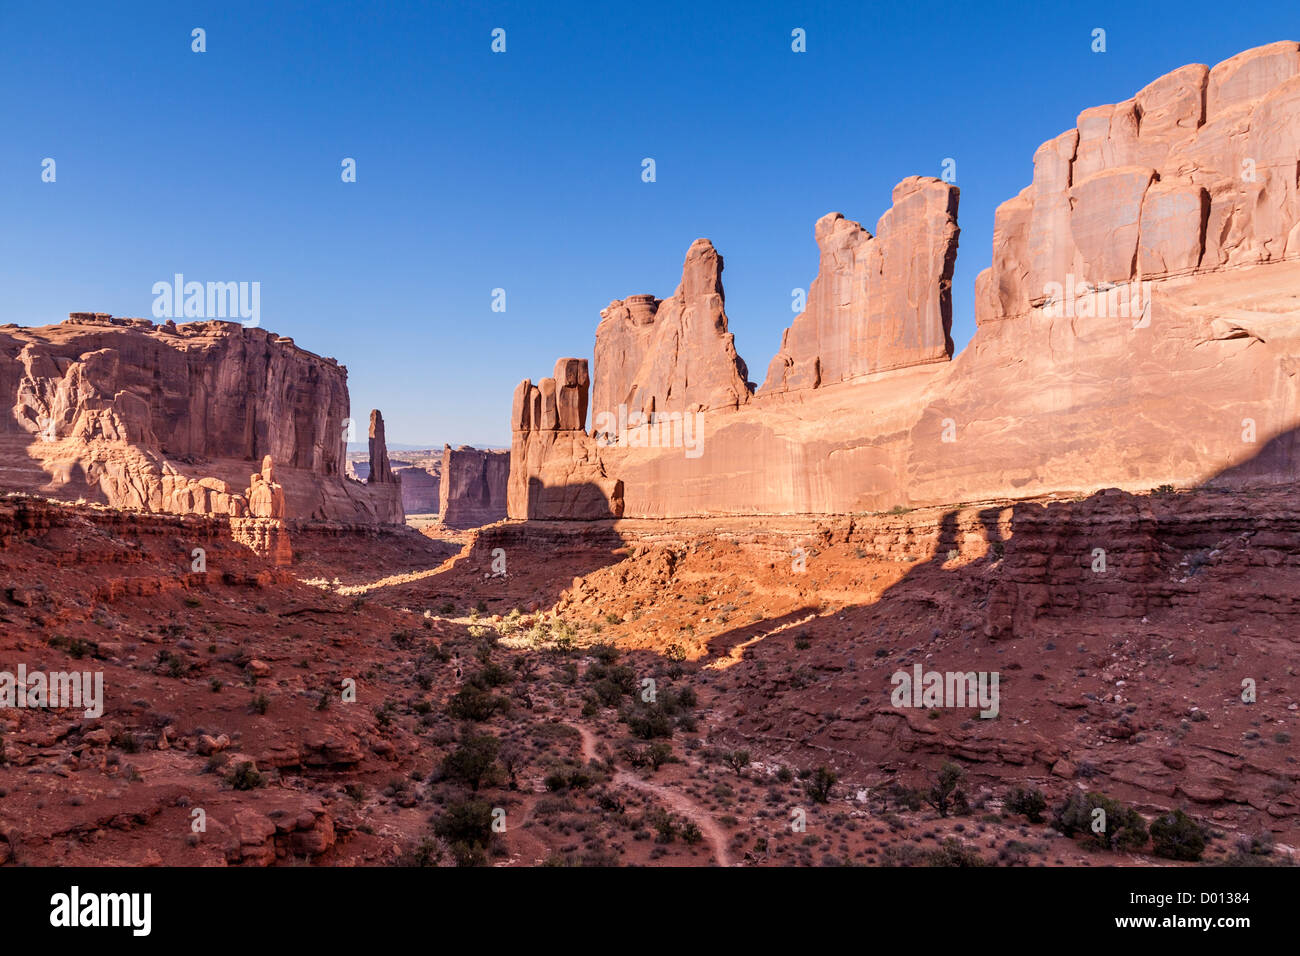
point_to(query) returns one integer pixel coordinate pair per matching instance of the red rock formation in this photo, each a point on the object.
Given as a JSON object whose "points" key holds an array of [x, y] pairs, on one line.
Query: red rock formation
{"points": [[1078, 377], [473, 488], [878, 302], [167, 418], [673, 355], [380, 471], [1195, 173], [421, 486], [554, 469]]}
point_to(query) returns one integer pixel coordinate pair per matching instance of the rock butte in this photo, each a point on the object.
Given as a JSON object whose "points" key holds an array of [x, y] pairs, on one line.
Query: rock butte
{"points": [[1138, 327], [473, 486], [168, 418]]}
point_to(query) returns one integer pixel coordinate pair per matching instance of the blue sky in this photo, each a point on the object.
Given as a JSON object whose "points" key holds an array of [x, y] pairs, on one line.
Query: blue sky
{"points": [[522, 170]]}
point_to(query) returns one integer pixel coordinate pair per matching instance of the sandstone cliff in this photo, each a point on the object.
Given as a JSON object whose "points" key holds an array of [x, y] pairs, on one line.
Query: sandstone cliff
{"points": [[1195, 173], [555, 467], [473, 487], [167, 418], [674, 355], [1139, 327], [879, 302]]}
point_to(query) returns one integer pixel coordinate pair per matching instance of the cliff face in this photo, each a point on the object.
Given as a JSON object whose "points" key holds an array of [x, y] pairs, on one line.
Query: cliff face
{"points": [[168, 418], [1195, 173], [472, 490], [879, 302], [421, 487], [674, 355], [1140, 326], [555, 466]]}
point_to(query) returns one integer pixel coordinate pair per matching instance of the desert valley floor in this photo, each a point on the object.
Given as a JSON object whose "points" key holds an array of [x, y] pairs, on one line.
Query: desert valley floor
{"points": [[522, 693]]}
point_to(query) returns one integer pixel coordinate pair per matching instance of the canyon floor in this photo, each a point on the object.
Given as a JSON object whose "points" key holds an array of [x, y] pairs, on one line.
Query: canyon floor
{"points": [[695, 692]]}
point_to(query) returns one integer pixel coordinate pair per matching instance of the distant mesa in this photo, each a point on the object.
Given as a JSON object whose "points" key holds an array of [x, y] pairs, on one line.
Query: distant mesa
{"points": [[168, 418], [464, 487]]}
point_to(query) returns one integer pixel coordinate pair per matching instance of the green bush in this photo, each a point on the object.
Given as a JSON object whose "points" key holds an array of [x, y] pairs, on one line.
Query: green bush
{"points": [[1028, 802], [245, 777], [473, 762], [474, 703], [1176, 836], [945, 794], [819, 784], [648, 722], [1124, 827], [952, 852], [466, 826], [737, 760]]}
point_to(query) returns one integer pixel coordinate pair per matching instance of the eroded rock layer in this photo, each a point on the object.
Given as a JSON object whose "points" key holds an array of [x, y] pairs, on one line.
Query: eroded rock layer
{"points": [[168, 418], [555, 466]]}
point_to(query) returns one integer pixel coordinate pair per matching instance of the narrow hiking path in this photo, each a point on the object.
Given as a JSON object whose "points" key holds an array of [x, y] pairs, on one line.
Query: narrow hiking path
{"points": [[678, 801]]}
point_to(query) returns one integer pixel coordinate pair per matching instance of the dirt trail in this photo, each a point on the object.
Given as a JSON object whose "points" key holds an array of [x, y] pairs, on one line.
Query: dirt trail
{"points": [[679, 802]]}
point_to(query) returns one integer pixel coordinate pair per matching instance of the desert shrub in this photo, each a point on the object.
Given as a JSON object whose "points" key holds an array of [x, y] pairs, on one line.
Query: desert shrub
{"points": [[905, 797], [473, 762], [428, 852], [1176, 836], [245, 777], [608, 693], [605, 653], [568, 778], [1028, 802], [952, 852], [945, 794], [737, 760], [819, 784], [466, 826], [474, 703], [489, 676], [1124, 828], [665, 826], [648, 722]]}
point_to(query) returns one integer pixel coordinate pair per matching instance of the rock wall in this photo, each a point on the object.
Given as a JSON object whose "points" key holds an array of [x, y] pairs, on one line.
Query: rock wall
{"points": [[879, 302], [168, 418], [1079, 376], [555, 466], [473, 487], [421, 487], [1195, 173], [673, 355]]}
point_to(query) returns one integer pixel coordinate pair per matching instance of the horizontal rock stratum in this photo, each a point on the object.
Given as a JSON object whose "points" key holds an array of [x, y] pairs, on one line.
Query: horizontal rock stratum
{"points": [[1139, 326], [174, 418]]}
